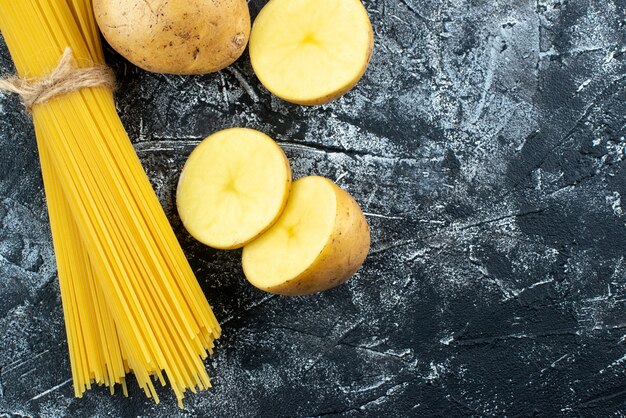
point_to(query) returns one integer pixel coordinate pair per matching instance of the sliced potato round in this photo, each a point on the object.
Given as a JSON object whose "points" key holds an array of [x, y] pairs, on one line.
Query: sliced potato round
{"points": [[319, 242], [233, 187], [311, 51]]}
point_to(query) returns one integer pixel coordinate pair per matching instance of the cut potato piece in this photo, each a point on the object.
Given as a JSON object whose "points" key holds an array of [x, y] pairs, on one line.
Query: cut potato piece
{"points": [[233, 187], [319, 242], [311, 51]]}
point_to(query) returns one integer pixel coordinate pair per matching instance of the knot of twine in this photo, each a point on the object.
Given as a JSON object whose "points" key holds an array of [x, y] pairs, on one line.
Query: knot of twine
{"points": [[65, 78]]}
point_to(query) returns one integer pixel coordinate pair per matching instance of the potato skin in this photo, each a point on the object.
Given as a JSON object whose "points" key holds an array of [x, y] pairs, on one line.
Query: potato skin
{"points": [[176, 36], [342, 256]]}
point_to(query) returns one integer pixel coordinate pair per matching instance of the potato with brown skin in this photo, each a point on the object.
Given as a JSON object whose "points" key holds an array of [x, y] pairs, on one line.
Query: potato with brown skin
{"points": [[320, 241], [176, 36]]}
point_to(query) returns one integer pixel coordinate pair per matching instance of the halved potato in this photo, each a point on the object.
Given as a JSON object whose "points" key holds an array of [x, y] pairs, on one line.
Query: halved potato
{"points": [[319, 242], [311, 51], [233, 187]]}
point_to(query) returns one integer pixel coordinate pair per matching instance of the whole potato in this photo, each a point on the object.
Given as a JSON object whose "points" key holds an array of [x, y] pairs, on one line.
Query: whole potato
{"points": [[176, 36]]}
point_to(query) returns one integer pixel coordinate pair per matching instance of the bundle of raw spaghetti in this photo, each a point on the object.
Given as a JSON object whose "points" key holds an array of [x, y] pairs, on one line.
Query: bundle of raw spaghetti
{"points": [[130, 299]]}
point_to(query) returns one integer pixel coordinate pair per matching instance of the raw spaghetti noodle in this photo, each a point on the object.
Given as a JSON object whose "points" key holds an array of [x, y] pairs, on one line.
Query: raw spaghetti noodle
{"points": [[130, 299]]}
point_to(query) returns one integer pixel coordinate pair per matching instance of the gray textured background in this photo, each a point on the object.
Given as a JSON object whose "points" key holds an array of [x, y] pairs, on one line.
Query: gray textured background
{"points": [[486, 144]]}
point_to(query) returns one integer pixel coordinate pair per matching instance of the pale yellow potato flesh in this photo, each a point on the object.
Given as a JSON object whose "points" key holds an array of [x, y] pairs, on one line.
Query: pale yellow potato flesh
{"points": [[320, 241], [233, 187], [310, 52], [176, 36]]}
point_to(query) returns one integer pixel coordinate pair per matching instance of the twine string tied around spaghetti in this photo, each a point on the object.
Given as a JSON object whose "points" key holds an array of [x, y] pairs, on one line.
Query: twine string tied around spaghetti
{"points": [[65, 78]]}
